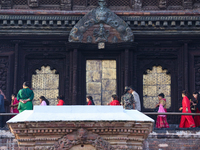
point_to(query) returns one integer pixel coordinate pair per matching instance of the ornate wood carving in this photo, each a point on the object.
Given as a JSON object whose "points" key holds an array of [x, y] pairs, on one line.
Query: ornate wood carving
{"points": [[65, 5], [6, 4], [101, 15], [4, 64], [137, 4], [162, 4], [33, 3], [197, 73], [82, 136], [187, 4]]}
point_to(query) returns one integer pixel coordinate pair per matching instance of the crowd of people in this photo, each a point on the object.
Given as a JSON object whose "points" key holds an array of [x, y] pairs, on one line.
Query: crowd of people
{"points": [[129, 100]]}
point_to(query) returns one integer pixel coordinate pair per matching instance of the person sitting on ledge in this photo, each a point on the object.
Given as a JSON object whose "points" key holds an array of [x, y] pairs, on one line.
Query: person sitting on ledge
{"points": [[25, 97], [89, 100], [60, 100], [114, 100], [43, 101]]}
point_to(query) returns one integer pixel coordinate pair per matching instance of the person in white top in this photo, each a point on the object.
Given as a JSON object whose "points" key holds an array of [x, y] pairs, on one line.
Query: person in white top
{"points": [[136, 98]]}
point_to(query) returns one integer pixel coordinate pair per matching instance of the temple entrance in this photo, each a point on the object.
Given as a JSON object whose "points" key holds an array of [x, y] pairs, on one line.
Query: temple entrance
{"points": [[101, 80]]}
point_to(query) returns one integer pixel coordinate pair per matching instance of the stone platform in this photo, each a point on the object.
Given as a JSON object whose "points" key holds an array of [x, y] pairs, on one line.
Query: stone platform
{"points": [[80, 128]]}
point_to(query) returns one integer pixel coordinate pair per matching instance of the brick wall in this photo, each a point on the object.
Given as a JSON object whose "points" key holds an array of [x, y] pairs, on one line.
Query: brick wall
{"points": [[188, 139]]}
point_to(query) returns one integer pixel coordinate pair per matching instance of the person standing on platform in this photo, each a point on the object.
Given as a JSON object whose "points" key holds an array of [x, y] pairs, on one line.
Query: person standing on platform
{"points": [[14, 104], [114, 100], [43, 101], [136, 98], [127, 99], [196, 96], [89, 100], [1, 92], [186, 120], [25, 97], [161, 121], [2, 109], [60, 100]]}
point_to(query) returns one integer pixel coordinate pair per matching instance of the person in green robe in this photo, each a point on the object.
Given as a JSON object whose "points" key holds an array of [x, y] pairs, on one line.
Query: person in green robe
{"points": [[25, 97]]}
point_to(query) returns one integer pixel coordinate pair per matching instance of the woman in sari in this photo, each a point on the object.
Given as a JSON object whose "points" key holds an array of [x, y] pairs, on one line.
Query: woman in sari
{"points": [[161, 121], [89, 100], [43, 101], [114, 100], [14, 104], [186, 120], [197, 106], [60, 100], [25, 97]]}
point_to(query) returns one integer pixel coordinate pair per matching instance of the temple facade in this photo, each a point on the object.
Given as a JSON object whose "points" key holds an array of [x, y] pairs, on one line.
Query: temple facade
{"points": [[77, 48]]}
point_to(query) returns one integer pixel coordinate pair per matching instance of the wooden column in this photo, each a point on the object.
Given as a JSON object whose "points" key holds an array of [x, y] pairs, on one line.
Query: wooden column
{"points": [[185, 60], [126, 72], [16, 66], [75, 67]]}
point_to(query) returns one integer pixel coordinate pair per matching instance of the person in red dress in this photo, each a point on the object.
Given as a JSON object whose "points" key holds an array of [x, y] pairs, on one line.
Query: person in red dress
{"points": [[60, 100], [114, 100], [89, 100], [161, 121], [197, 106], [186, 120]]}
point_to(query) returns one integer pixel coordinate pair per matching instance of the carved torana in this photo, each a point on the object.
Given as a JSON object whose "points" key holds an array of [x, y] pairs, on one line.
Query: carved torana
{"points": [[100, 16]]}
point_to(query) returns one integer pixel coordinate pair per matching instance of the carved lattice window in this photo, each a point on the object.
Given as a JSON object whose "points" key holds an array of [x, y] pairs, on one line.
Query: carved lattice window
{"points": [[50, 2], [79, 2], [156, 81], [92, 3], [20, 2], [45, 83], [119, 3], [175, 2], [150, 3]]}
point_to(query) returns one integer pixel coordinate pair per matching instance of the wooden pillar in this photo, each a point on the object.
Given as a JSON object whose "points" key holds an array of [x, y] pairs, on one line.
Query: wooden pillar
{"points": [[185, 60], [126, 71], [75, 67], [16, 66]]}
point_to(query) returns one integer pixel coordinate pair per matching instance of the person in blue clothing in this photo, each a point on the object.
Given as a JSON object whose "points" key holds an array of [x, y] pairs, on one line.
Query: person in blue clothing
{"points": [[2, 109]]}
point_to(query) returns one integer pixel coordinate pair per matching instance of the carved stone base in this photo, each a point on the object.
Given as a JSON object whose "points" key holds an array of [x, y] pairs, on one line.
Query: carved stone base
{"points": [[100, 134]]}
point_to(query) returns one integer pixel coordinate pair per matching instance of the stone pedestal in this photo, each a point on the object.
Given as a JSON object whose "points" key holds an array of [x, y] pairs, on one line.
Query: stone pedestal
{"points": [[80, 128]]}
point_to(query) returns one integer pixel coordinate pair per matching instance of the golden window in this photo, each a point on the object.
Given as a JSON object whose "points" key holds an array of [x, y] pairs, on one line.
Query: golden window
{"points": [[156, 81], [45, 83]]}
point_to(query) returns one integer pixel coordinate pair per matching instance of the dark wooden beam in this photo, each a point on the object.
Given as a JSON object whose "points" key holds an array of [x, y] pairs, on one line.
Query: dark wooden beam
{"points": [[126, 58], [75, 76]]}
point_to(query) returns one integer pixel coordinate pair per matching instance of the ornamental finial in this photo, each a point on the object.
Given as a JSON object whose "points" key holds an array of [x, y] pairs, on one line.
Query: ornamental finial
{"points": [[102, 3]]}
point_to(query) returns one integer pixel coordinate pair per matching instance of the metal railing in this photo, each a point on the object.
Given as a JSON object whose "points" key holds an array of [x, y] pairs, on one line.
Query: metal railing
{"points": [[171, 113]]}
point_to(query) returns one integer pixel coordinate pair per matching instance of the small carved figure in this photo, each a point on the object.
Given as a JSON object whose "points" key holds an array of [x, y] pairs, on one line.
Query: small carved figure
{"points": [[187, 4], [137, 4], [101, 35], [33, 3], [6, 4], [162, 4], [65, 4], [101, 13]]}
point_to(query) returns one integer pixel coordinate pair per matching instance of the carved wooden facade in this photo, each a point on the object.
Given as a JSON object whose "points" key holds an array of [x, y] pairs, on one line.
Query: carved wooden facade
{"points": [[164, 35]]}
